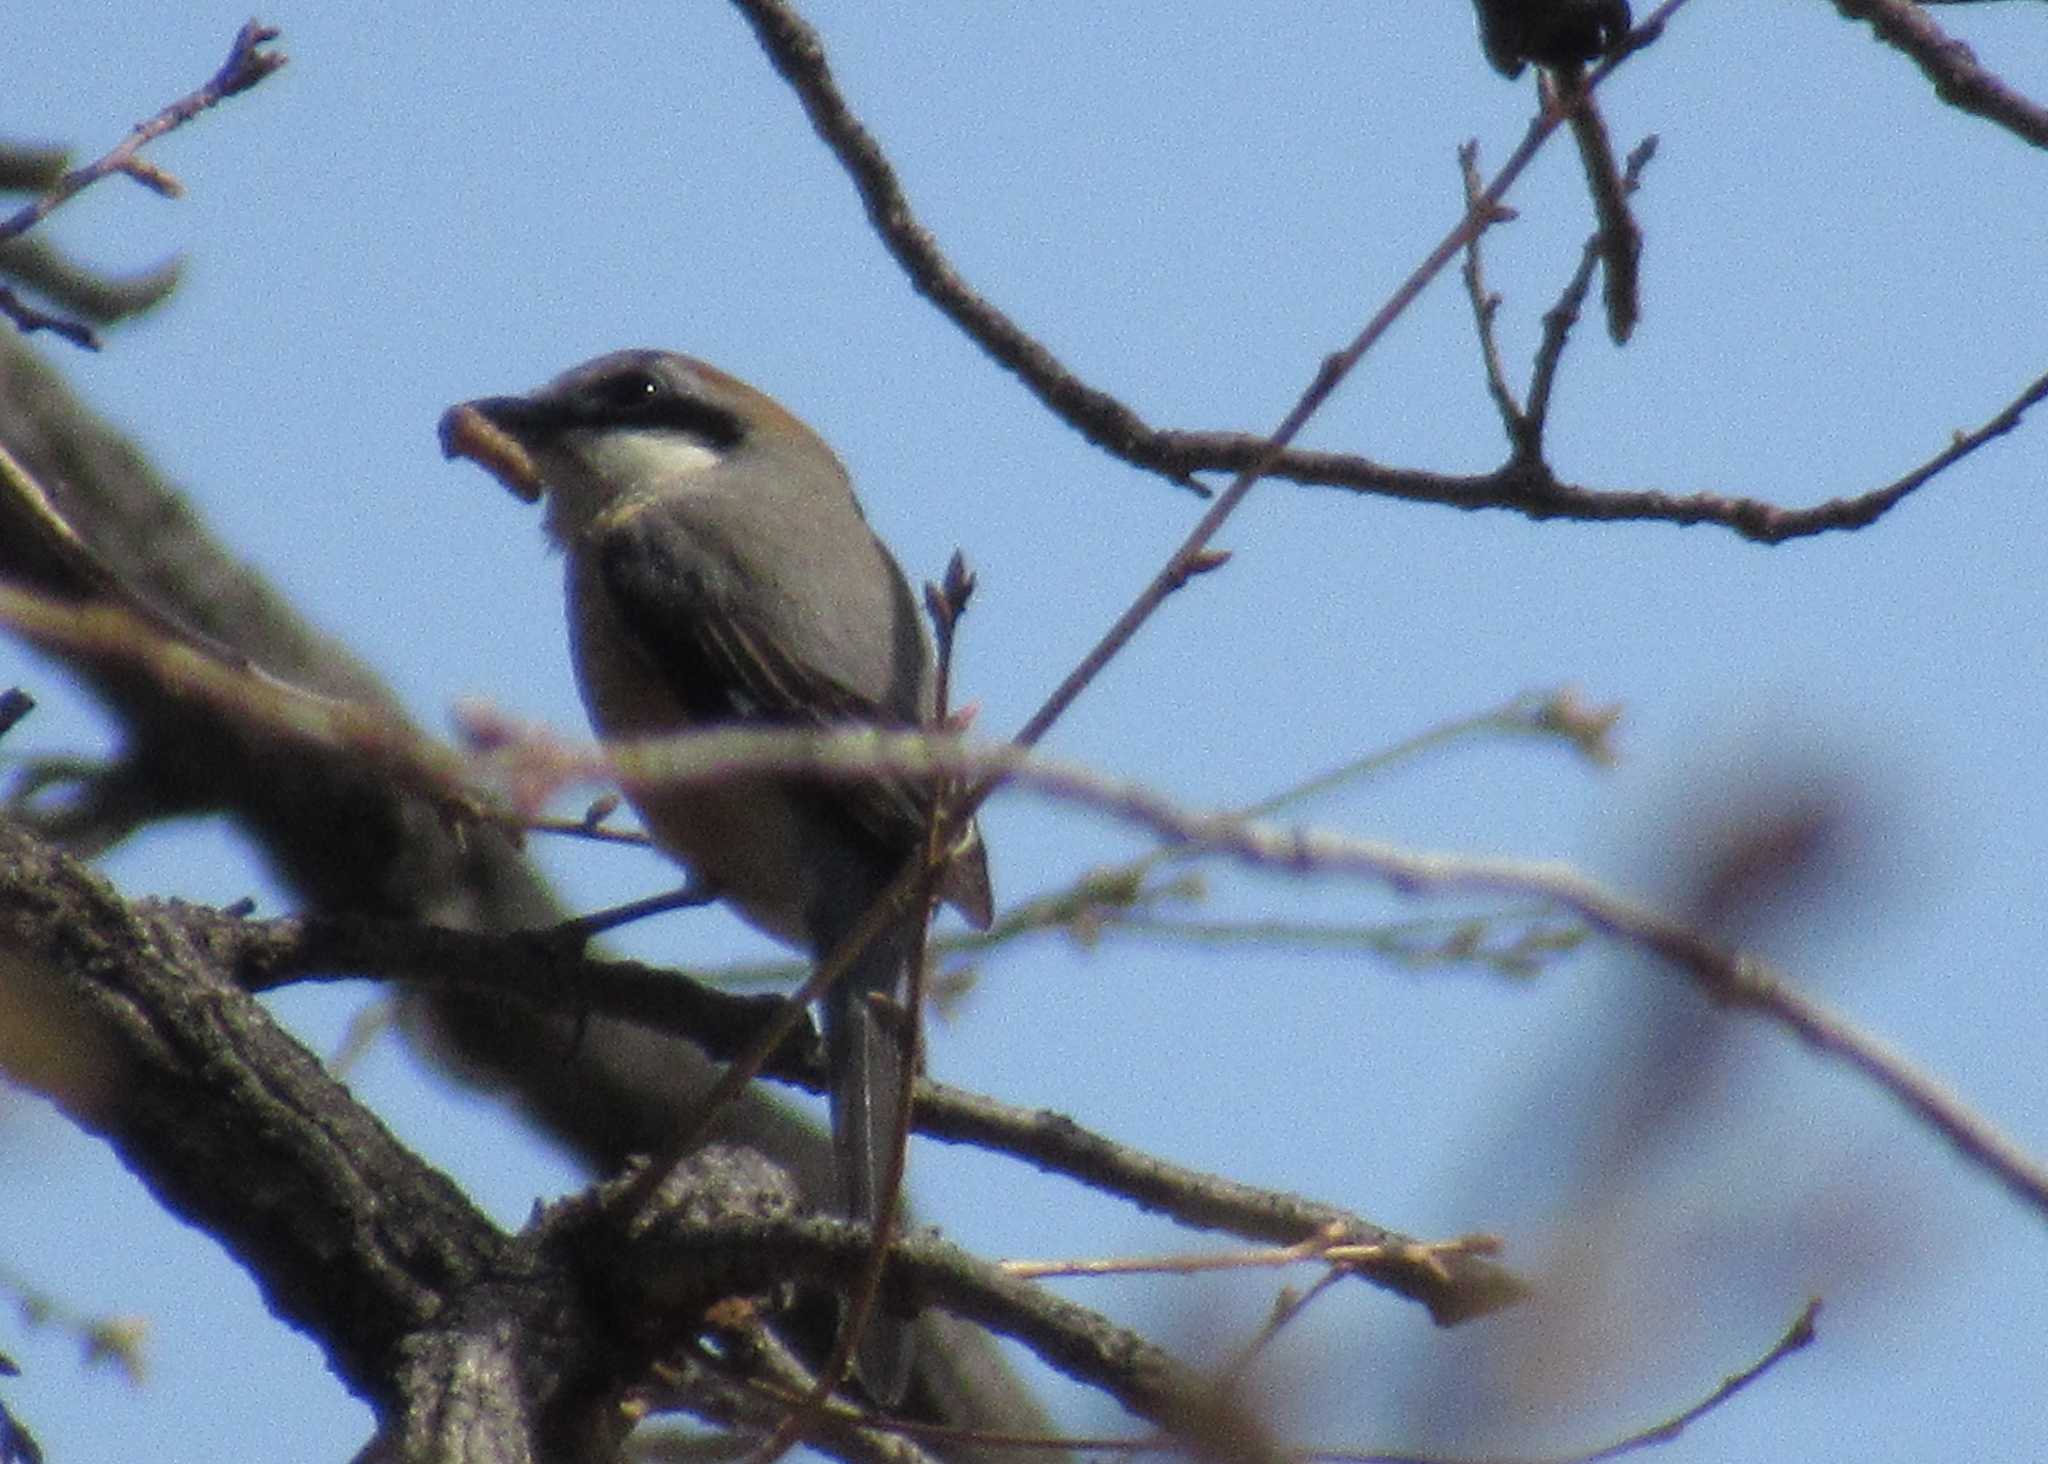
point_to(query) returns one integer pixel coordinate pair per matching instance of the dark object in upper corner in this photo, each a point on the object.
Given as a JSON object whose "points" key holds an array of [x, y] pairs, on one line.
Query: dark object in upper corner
{"points": [[1553, 33]]}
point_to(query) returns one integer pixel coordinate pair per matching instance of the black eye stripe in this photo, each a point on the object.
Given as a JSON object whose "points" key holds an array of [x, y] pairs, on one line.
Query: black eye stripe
{"points": [[641, 399], [715, 426]]}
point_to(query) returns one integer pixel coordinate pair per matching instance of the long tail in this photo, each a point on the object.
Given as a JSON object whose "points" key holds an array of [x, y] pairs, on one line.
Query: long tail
{"points": [[864, 1054]]}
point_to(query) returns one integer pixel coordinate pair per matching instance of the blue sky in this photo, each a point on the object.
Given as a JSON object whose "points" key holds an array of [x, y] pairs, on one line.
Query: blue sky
{"points": [[463, 199]]}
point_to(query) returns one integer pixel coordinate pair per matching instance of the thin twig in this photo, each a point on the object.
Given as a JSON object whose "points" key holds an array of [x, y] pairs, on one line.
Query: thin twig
{"points": [[1729, 977], [246, 65], [114, 635], [1559, 319], [1485, 304], [796, 52], [1328, 1246], [1796, 1338]]}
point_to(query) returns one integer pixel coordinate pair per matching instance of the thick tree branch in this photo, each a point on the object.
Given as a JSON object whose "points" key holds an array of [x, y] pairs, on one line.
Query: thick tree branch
{"points": [[265, 955], [473, 1346], [238, 1129]]}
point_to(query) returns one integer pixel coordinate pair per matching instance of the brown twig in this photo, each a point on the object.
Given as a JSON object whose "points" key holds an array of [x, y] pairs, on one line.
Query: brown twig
{"points": [[1558, 320], [1532, 490], [1485, 304], [796, 52], [1952, 66], [247, 64], [88, 294]]}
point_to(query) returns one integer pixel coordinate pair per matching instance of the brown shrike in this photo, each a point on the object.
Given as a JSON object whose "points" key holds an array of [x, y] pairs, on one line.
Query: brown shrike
{"points": [[721, 572]]}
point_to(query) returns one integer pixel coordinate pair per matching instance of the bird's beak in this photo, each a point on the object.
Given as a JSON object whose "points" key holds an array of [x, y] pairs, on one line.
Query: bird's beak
{"points": [[484, 431]]}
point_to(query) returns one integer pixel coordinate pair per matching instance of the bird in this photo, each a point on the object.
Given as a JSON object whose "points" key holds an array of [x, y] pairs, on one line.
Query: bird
{"points": [[721, 572], [1559, 34]]}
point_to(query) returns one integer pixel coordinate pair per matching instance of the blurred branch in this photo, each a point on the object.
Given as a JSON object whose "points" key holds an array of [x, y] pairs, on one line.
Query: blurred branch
{"points": [[1728, 977], [27, 167], [17, 1444], [98, 297], [1125, 896], [1952, 66], [28, 320], [1796, 1338], [1450, 940], [115, 1340], [247, 64]]}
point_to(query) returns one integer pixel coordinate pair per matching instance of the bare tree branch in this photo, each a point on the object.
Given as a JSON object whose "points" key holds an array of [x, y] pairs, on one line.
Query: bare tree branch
{"points": [[266, 955], [247, 64], [470, 1344], [1959, 79], [1732, 978], [1727, 976], [1532, 489]]}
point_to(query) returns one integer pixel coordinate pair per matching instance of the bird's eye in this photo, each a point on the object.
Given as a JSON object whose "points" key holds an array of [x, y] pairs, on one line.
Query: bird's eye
{"points": [[627, 390]]}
